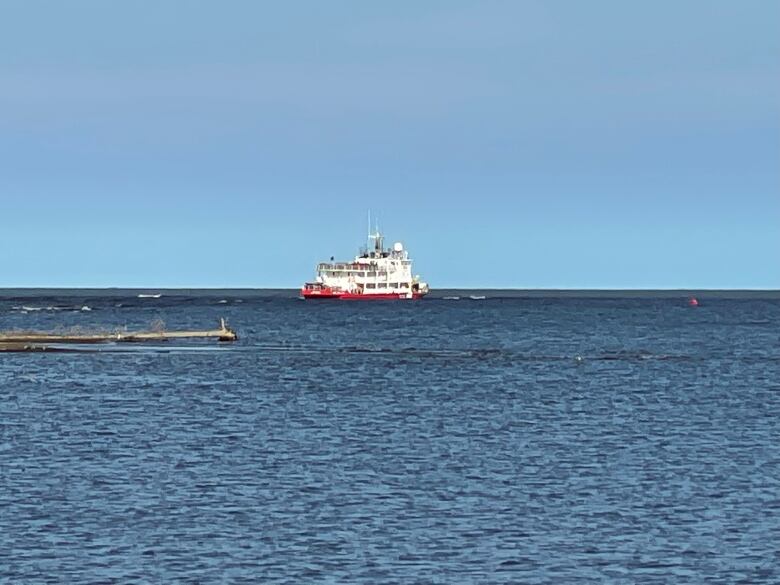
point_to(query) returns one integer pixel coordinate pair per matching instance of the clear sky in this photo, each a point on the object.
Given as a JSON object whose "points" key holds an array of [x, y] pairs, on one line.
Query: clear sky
{"points": [[532, 144]]}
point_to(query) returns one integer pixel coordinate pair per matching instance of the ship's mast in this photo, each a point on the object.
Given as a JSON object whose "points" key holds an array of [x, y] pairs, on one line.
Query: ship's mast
{"points": [[376, 236]]}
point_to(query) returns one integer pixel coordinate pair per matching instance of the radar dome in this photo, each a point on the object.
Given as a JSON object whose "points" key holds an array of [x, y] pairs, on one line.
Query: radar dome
{"points": [[398, 247]]}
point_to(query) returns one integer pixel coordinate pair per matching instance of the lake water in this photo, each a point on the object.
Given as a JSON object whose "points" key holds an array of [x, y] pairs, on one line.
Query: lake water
{"points": [[523, 439]]}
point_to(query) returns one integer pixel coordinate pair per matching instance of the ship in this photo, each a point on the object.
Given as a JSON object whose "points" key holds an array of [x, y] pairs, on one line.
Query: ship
{"points": [[376, 273]]}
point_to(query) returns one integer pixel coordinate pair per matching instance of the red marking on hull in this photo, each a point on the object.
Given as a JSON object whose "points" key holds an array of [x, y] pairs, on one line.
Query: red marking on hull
{"points": [[345, 296]]}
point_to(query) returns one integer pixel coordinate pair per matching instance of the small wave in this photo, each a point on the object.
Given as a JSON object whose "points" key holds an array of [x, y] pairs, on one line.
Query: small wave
{"points": [[26, 309], [477, 297], [147, 296], [32, 309], [222, 301], [451, 298]]}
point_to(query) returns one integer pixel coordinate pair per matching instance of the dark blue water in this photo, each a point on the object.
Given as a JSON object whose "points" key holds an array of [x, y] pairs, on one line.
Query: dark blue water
{"points": [[516, 440]]}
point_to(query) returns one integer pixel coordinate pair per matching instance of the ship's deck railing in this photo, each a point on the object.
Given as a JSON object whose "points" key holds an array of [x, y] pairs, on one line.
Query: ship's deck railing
{"points": [[342, 266], [363, 274], [359, 267]]}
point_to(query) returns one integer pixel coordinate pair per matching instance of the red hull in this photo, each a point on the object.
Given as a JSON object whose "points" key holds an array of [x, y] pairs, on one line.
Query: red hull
{"points": [[342, 296]]}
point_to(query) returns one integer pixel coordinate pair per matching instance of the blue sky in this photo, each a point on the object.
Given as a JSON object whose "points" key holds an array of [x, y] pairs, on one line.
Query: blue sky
{"points": [[518, 144]]}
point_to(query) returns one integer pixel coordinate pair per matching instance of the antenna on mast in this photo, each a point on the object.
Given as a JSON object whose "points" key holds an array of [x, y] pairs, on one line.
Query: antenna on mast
{"points": [[375, 235], [368, 240]]}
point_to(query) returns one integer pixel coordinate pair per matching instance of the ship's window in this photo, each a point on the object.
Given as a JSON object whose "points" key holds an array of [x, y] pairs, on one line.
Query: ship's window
{"points": [[393, 285], [370, 285], [404, 285], [371, 274]]}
